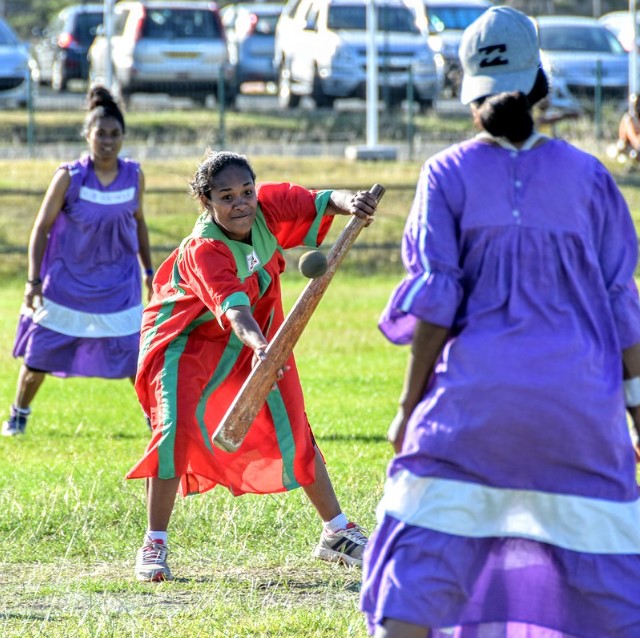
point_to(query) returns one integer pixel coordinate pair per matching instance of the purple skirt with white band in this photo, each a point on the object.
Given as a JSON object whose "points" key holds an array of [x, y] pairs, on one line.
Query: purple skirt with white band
{"points": [[67, 356], [89, 321]]}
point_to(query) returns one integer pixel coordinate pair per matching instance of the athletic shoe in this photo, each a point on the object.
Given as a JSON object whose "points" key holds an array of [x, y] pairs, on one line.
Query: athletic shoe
{"points": [[344, 546], [16, 423], [151, 562]]}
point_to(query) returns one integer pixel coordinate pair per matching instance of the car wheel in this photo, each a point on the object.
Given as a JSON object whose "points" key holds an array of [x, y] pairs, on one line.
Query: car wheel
{"points": [[231, 91], [286, 98], [199, 99], [321, 99], [425, 105], [58, 79]]}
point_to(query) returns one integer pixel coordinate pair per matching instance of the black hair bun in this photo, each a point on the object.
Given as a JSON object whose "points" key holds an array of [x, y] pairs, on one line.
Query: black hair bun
{"points": [[99, 96]]}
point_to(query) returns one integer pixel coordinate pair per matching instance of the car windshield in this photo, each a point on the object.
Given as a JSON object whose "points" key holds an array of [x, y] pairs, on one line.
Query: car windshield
{"points": [[354, 18], [85, 27], [7, 37], [441, 18], [178, 24], [578, 38]]}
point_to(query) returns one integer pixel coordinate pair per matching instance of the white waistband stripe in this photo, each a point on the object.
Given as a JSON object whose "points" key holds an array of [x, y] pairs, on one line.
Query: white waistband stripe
{"points": [[75, 323], [469, 509]]}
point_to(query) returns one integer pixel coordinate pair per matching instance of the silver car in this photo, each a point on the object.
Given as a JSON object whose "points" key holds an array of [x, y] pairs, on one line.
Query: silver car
{"points": [[321, 51], [250, 30], [16, 66], [176, 48], [583, 54]]}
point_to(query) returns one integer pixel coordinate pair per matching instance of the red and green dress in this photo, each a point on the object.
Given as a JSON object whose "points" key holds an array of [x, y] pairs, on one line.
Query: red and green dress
{"points": [[192, 364]]}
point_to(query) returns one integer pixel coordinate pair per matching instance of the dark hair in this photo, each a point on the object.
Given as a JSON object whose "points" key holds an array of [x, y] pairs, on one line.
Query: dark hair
{"points": [[509, 114], [100, 103], [215, 162]]}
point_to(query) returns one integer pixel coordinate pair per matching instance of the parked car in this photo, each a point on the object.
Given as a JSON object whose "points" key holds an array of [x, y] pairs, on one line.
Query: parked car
{"points": [[16, 68], [61, 48], [176, 48], [581, 53], [320, 50], [446, 21], [250, 30], [620, 24]]}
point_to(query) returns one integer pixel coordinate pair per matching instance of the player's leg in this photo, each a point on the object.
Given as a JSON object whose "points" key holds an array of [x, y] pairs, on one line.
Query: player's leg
{"points": [[398, 629], [321, 492], [29, 382], [341, 540], [151, 561]]}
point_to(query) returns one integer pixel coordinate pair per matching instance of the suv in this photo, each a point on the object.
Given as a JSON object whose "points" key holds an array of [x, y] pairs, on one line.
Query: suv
{"points": [[61, 48], [320, 50], [16, 68], [447, 20], [177, 48]]}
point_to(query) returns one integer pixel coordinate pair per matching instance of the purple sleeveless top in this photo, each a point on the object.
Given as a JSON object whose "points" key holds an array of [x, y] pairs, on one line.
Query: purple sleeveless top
{"points": [[91, 262]]}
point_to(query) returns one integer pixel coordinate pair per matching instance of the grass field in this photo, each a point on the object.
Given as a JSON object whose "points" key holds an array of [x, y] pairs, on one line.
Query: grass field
{"points": [[70, 524]]}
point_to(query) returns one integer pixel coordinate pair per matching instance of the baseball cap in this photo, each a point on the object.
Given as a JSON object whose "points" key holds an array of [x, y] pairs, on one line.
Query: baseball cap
{"points": [[499, 53]]}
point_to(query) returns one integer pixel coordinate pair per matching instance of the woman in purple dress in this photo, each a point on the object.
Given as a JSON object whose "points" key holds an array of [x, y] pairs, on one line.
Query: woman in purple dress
{"points": [[82, 305], [511, 507]]}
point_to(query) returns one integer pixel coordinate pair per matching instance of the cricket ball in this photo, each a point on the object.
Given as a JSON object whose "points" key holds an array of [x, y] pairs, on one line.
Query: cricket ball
{"points": [[313, 264]]}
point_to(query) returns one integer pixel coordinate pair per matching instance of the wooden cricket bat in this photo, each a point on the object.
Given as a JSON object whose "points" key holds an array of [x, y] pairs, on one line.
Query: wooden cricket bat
{"points": [[254, 392]]}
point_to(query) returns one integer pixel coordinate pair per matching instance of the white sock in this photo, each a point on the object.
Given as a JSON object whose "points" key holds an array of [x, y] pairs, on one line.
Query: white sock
{"points": [[156, 537], [22, 411], [337, 523]]}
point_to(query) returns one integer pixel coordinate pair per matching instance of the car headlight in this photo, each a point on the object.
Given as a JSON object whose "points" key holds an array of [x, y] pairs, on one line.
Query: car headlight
{"points": [[435, 43]]}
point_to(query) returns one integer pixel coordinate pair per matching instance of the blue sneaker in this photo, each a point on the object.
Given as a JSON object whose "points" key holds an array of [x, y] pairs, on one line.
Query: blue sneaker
{"points": [[16, 423]]}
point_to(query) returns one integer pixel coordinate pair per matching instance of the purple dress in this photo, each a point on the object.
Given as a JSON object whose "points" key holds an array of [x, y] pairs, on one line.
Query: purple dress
{"points": [[513, 509], [89, 322]]}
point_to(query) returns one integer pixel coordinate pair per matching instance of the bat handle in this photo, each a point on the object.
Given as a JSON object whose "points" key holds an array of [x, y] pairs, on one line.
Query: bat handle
{"points": [[377, 190]]}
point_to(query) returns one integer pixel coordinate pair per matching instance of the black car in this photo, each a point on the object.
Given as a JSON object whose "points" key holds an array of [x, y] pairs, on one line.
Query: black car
{"points": [[61, 48]]}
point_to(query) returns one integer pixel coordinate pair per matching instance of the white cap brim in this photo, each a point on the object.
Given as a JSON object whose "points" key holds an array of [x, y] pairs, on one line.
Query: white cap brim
{"points": [[475, 87]]}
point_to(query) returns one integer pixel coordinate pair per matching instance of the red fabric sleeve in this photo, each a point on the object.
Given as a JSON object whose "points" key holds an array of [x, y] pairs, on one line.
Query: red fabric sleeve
{"points": [[209, 269], [290, 211]]}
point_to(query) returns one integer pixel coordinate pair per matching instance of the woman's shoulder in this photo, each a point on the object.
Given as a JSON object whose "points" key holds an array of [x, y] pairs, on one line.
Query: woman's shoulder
{"points": [[130, 167], [79, 165], [565, 155], [129, 163]]}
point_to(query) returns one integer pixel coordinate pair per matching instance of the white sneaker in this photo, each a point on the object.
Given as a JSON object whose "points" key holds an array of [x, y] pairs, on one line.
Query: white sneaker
{"points": [[344, 546], [151, 562], [16, 423]]}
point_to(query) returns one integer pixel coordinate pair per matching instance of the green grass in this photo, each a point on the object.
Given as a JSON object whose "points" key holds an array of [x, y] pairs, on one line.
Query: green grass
{"points": [[193, 126], [170, 213], [70, 524]]}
